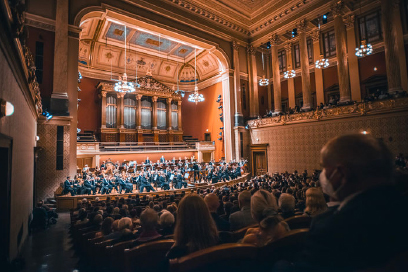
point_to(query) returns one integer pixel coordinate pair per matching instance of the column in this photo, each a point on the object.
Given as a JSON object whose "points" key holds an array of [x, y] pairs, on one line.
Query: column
{"points": [[168, 121], [390, 44], [227, 89], [154, 115], [304, 64], [180, 127], [341, 51], [253, 83], [72, 89], [120, 111], [139, 111], [268, 76], [291, 81], [103, 114], [353, 59], [315, 34], [239, 118], [400, 46], [274, 40], [59, 96]]}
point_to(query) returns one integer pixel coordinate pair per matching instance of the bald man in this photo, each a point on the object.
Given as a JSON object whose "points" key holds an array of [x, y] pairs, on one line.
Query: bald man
{"points": [[369, 227], [213, 203]]}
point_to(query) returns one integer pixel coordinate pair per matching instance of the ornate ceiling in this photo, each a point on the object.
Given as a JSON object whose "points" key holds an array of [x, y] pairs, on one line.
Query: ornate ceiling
{"points": [[102, 53]]}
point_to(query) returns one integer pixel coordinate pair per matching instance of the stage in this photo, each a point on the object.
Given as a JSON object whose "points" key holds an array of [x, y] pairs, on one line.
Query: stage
{"points": [[67, 202]]}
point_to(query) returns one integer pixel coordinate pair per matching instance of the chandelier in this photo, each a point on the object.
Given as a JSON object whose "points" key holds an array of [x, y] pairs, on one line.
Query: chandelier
{"points": [[263, 81], [195, 96], [289, 74], [321, 63], [364, 49], [124, 86]]}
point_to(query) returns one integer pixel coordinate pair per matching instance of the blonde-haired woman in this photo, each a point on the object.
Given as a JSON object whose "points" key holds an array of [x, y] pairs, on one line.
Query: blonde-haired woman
{"points": [[264, 210], [315, 202], [195, 229]]}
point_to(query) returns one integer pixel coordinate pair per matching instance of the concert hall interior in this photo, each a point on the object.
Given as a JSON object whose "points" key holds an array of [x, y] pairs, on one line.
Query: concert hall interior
{"points": [[188, 135]]}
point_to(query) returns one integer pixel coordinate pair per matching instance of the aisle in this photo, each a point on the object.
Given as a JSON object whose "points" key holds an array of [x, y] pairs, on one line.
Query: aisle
{"points": [[51, 250]]}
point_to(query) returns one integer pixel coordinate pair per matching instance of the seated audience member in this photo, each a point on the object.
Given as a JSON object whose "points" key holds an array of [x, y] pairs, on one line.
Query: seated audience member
{"points": [[213, 203], [97, 220], [166, 223], [126, 230], [40, 217], [106, 228], [287, 205], [369, 227], [315, 202], [195, 229], [242, 218], [271, 225], [116, 233], [82, 217], [149, 220]]}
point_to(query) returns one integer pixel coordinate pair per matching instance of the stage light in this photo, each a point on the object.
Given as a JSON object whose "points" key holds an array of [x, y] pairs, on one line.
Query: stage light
{"points": [[222, 128], [294, 32], [364, 132], [47, 115], [268, 45], [220, 139], [220, 107], [247, 127], [220, 133], [37, 138], [324, 18], [222, 119], [221, 114]]}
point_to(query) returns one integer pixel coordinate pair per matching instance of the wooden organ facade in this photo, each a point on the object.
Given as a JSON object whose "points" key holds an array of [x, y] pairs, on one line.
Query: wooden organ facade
{"points": [[150, 114]]}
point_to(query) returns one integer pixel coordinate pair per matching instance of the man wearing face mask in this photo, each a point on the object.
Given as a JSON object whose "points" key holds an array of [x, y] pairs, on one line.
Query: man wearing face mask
{"points": [[368, 228]]}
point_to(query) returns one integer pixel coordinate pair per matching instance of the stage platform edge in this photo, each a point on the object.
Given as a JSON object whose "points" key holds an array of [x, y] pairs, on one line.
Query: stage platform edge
{"points": [[68, 202]]}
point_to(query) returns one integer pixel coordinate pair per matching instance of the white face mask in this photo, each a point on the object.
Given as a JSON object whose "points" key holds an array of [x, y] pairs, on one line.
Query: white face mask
{"points": [[327, 187]]}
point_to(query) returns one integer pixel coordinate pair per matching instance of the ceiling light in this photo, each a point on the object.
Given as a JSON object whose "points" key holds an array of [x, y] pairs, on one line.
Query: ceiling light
{"points": [[364, 49], [123, 86], [289, 74], [322, 63], [263, 81], [195, 96]]}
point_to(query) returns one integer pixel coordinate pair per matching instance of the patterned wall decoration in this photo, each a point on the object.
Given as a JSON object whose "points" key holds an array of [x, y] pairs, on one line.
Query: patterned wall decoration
{"points": [[207, 65], [48, 179], [188, 74], [297, 146]]}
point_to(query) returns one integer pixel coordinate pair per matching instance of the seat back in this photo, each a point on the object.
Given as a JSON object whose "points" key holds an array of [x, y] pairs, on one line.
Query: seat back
{"points": [[239, 234], [299, 222], [285, 248], [116, 255], [147, 257], [226, 237], [225, 257]]}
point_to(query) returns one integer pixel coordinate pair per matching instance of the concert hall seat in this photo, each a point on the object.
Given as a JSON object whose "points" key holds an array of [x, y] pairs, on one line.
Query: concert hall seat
{"points": [[147, 257], [226, 237], [116, 255], [299, 222], [225, 257], [98, 253], [239, 234], [285, 248]]}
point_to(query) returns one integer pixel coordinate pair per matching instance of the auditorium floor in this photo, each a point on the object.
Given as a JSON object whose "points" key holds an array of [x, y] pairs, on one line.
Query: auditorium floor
{"points": [[51, 250]]}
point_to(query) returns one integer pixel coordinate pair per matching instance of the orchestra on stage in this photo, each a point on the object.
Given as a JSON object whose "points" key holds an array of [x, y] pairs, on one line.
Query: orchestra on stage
{"points": [[131, 177]]}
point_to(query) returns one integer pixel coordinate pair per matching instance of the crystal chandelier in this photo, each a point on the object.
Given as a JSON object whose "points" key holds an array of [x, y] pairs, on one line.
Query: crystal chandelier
{"points": [[289, 74], [321, 63], [364, 49], [124, 86], [263, 81], [195, 96]]}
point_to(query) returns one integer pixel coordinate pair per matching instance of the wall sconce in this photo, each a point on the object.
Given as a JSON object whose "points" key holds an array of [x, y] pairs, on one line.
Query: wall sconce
{"points": [[6, 108]]}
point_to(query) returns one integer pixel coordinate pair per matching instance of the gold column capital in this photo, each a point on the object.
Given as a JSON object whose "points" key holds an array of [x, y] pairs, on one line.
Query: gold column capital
{"points": [[274, 39]]}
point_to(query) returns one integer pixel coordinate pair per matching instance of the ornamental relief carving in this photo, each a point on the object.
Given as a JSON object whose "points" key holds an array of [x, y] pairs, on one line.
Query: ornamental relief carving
{"points": [[338, 112]]}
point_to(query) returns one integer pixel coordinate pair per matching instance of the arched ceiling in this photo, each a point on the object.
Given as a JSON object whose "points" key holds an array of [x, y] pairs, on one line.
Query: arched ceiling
{"points": [[168, 57]]}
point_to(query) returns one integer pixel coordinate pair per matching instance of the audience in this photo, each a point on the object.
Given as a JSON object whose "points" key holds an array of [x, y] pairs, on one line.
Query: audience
{"points": [[166, 223], [149, 220], [287, 204], [106, 228], [242, 218], [368, 228], [195, 229], [264, 210], [315, 202], [213, 203]]}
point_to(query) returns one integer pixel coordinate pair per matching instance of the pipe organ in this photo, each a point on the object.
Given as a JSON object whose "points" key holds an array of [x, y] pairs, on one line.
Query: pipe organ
{"points": [[150, 114]]}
